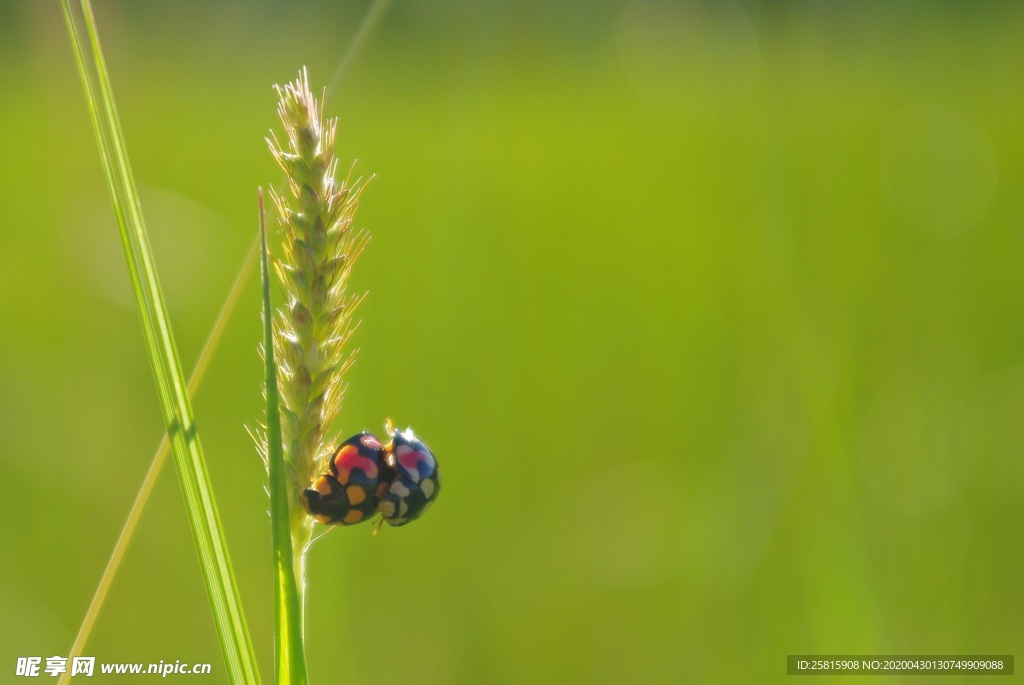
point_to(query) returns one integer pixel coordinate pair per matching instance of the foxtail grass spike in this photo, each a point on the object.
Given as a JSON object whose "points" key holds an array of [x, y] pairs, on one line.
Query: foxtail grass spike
{"points": [[319, 245]]}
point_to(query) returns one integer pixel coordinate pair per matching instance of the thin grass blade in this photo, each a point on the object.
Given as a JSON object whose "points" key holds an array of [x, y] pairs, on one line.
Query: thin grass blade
{"points": [[369, 22]]}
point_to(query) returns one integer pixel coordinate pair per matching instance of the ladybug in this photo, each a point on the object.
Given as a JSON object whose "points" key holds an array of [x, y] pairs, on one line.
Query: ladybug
{"points": [[411, 477], [348, 492]]}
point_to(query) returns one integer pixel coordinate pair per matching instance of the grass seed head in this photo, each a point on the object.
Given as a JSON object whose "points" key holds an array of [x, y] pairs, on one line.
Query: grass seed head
{"points": [[319, 245]]}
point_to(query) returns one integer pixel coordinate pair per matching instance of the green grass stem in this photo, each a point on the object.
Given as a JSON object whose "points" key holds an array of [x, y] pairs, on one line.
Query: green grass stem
{"points": [[289, 653]]}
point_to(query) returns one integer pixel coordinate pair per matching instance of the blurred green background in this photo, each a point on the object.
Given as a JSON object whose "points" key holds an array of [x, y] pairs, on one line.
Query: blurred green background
{"points": [[713, 312]]}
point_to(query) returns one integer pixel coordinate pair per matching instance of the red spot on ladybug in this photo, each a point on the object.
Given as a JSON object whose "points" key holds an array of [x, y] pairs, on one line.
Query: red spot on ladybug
{"points": [[411, 459], [350, 458]]}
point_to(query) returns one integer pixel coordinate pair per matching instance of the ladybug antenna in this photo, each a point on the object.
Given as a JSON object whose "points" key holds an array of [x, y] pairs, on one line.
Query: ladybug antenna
{"points": [[389, 428]]}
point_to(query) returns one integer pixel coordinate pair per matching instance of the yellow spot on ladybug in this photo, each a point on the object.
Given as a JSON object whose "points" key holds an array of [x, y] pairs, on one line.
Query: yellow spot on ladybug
{"points": [[346, 451], [427, 486], [353, 516], [387, 508], [356, 495], [323, 518], [323, 486], [343, 476]]}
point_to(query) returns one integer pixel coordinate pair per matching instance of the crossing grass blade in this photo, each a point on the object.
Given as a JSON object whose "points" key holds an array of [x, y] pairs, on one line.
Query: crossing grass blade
{"points": [[370, 19], [170, 381]]}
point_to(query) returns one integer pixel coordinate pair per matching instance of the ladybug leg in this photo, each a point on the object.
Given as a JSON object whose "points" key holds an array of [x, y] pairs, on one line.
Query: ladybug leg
{"points": [[380, 524], [317, 535]]}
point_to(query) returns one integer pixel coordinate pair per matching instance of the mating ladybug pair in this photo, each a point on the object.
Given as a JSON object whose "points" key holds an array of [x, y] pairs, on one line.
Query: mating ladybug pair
{"points": [[399, 479]]}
